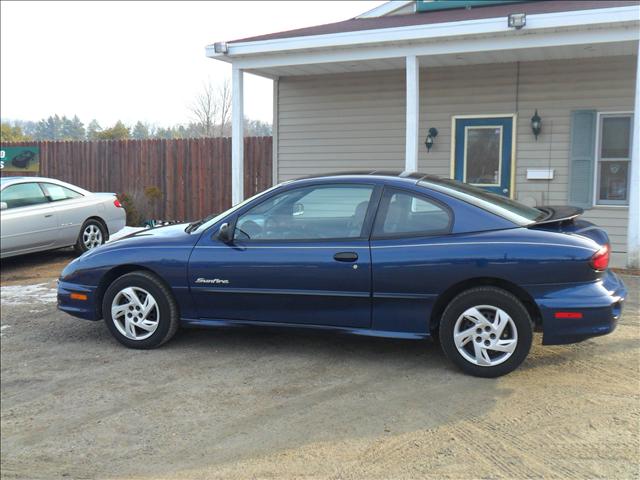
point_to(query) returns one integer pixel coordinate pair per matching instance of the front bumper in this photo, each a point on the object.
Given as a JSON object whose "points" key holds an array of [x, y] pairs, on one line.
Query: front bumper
{"points": [[600, 304], [85, 309]]}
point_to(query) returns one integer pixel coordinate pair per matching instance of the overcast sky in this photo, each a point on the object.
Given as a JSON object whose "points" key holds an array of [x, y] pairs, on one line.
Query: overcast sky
{"points": [[135, 60]]}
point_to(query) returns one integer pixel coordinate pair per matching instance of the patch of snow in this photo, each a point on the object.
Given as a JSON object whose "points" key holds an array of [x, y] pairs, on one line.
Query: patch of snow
{"points": [[40, 293], [124, 232]]}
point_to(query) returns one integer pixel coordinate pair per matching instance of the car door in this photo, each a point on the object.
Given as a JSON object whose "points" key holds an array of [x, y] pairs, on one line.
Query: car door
{"points": [[71, 208], [299, 257], [409, 258], [29, 222]]}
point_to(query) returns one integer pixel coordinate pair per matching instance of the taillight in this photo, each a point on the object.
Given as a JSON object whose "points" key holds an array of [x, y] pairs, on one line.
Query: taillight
{"points": [[117, 204], [600, 259]]}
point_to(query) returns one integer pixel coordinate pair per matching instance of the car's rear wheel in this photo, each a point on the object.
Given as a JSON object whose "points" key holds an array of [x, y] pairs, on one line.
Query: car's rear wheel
{"points": [[92, 234], [486, 331], [140, 310]]}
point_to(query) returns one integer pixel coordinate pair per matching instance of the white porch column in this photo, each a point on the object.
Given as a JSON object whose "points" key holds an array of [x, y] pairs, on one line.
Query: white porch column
{"points": [[237, 136], [413, 112], [633, 239]]}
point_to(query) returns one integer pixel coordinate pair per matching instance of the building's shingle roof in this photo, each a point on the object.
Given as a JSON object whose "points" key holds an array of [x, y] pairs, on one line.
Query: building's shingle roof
{"points": [[443, 16]]}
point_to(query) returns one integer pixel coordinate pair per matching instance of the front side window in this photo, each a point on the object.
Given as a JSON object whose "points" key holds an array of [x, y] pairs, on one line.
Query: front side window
{"points": [[319, 212], [406, 214], [58, 192], [22, 195], [614, 154]]}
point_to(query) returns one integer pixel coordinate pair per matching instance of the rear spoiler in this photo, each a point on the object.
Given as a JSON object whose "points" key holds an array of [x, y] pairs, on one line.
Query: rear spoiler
{"points": [[559, 214]]}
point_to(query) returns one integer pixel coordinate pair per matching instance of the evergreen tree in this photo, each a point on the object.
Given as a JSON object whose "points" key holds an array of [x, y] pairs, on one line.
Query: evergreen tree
{"points": [[140, 131], [93, 129], [74, 129]]}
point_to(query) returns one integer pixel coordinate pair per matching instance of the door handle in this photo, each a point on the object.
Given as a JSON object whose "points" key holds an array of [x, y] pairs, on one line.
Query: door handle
{"points": [[48, 215], [346, 256]]}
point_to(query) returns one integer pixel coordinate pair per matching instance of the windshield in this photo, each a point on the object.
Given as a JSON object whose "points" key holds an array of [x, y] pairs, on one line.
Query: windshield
{"points": [[208, 221], [515, 211]]}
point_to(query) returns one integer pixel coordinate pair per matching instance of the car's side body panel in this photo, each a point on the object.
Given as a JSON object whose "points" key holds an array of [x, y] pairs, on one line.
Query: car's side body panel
{"points": [[28, 229]]}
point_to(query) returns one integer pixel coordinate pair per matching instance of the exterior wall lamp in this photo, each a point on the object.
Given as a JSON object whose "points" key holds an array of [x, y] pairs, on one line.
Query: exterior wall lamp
{"points": [[433, 133], [536, 124], [517, 20]]}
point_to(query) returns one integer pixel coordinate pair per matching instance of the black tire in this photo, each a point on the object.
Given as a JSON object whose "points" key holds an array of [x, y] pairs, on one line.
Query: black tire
{"points": [[491, 297], [81, 246], [167, 309]]}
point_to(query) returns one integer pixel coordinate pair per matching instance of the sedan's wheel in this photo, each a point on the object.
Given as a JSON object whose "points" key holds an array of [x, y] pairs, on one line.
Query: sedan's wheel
{"points": [[92, 235], [486, 331], [140, 310]]}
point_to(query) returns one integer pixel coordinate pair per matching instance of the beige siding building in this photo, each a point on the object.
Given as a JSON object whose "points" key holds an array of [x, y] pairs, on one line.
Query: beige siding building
{"points": [[366, 93]]}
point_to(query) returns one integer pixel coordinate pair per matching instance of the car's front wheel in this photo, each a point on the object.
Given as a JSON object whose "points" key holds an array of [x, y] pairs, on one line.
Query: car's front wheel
{"points": [[486, 331], [140, 311]]}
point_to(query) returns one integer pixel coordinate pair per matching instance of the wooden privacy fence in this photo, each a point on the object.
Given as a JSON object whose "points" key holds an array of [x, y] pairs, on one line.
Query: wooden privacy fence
{"points": [[191, 177]]}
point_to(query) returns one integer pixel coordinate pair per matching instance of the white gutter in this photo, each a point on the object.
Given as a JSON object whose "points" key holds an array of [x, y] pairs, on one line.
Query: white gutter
{"points": [[487, 26]]}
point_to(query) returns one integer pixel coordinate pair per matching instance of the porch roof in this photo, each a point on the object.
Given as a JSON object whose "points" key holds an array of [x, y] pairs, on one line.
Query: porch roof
{"points": [[443, 38]]}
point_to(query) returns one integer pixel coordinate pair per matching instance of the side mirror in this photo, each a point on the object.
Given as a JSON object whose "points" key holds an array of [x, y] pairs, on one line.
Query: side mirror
{"points": [[3, 205], [225, 234]]}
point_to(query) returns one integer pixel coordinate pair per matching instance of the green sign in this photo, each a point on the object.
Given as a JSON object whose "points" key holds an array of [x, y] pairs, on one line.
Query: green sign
{"points": [[20, 159], [435, 5]]}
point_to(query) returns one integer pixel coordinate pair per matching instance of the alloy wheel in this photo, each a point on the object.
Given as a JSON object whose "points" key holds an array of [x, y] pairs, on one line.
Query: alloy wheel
{"points": [[92, 236], [485, 335]]}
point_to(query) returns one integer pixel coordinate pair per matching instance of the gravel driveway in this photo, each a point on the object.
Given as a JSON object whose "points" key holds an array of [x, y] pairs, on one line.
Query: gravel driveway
{"points": [[265, 404]]}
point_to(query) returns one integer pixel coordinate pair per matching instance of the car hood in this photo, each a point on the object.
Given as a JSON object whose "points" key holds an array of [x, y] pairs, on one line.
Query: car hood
{"points": [[167, 233], [170, 235]]}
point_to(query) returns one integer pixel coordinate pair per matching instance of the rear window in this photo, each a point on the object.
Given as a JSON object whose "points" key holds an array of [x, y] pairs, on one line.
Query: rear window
{"points": [[511, 206]]}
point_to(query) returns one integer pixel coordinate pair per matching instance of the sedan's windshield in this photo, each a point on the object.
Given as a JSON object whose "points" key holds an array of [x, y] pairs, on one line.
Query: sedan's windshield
{"points": [[481, 197]]}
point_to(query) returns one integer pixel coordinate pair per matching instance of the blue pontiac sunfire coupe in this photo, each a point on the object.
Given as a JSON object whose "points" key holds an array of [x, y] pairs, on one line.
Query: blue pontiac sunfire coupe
{"points": [[382, 254]]}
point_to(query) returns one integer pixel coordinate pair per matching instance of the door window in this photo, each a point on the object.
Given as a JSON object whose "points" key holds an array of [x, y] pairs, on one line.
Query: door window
{"points": [[318, 212], [483, 155], [407, 214], [22, 195], [58, 192]]}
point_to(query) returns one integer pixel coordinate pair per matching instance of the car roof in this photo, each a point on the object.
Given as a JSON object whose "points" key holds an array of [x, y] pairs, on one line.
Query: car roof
{"points": [[396, 175], [6, 181], [28, 179]]}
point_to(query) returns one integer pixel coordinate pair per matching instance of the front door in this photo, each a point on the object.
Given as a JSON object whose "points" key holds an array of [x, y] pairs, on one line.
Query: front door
{"points": [[483, 153], [299, 257], [29, 223]]}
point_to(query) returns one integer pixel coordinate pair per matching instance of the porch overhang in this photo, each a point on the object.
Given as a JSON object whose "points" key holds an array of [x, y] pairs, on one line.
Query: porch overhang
{"points": [[546, 36]]}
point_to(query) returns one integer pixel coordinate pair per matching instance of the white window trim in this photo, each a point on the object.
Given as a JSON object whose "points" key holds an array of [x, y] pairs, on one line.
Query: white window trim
{"points": [[596, 168]]}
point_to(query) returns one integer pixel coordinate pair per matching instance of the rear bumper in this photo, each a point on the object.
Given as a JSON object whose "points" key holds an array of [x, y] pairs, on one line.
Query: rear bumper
{"points": [[85, 309], [600, 304]]}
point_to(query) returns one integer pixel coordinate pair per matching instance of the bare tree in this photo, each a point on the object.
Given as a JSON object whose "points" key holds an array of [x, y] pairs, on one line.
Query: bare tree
{"points": [[212, 109], [224, 100], [205, 109]]}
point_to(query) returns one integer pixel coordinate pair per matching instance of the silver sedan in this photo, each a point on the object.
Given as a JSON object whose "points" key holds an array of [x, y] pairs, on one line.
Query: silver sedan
{"points": [[42, 213]]}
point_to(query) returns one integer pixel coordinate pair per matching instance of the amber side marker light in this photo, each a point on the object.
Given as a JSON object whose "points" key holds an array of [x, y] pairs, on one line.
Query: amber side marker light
{"points": [[78, 296], [567, 315]]}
